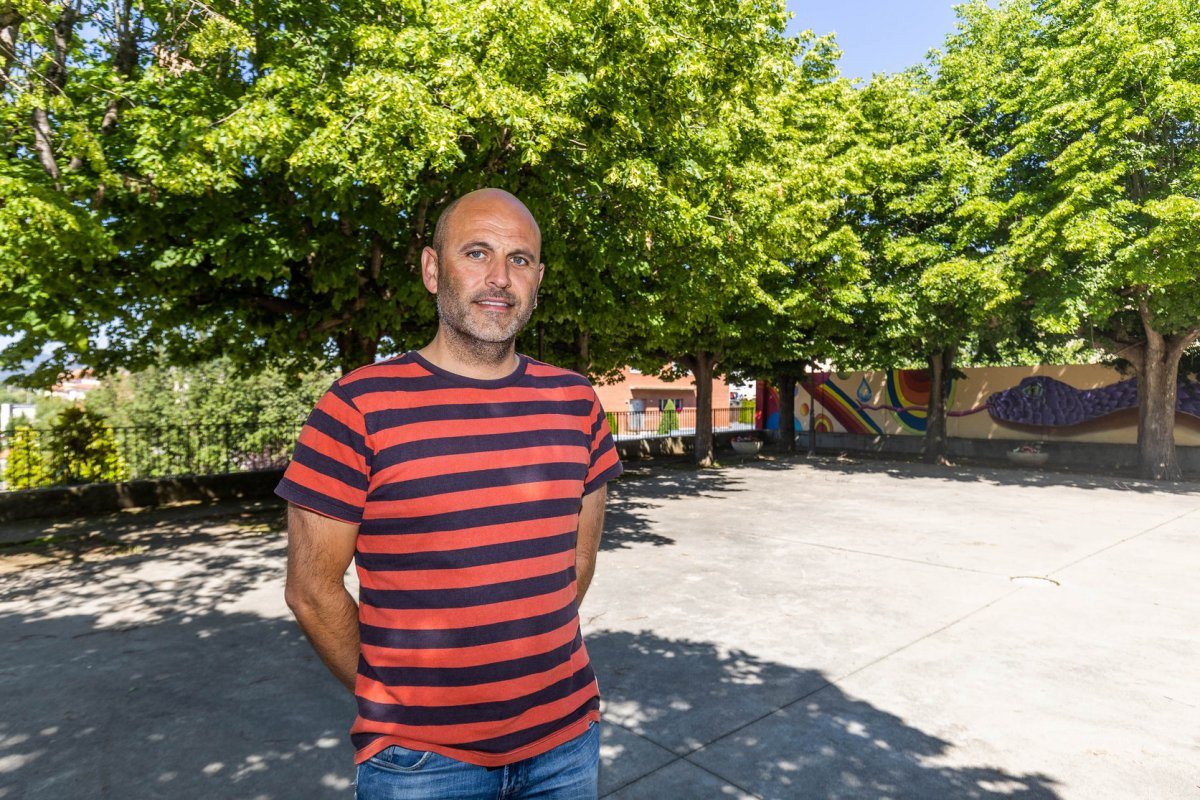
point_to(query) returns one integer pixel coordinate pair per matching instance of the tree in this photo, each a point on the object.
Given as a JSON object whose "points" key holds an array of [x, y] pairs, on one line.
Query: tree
{"points": [[83, 449], [1091, 112], [938, 282], [804, 311], [210, 417]]}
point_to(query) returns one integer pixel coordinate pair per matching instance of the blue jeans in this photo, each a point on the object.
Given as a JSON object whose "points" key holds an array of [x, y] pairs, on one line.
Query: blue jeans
{"points": [[568, 772]]}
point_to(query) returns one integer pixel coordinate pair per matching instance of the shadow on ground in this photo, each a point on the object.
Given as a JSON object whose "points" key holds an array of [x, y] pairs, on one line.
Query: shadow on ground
{"points": [[770, 729], [644, 488], [970, 473], [148, 675]]}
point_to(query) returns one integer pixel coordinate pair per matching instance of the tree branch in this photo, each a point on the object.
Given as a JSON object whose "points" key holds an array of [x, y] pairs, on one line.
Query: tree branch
{"points": [[54, 80], [10, 30]]}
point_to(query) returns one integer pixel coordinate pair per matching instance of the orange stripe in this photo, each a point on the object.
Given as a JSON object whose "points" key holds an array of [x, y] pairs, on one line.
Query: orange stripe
{"points": [[467, 577], [451, 428], [425, 619], [477, 731], [322, 485], [385, 370], [337, 408], [497, 691], [472, 499], [332, 448], [472, 462], [476, 656], [500, 533], [369, 402]]}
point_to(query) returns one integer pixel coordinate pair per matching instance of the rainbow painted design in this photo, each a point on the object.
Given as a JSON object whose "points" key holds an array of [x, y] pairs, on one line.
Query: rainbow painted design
{"points": [[908, 392], [845, 409]]}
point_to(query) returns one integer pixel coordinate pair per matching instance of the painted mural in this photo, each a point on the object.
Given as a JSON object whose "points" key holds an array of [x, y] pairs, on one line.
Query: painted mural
{"points": [[1076, 403]]}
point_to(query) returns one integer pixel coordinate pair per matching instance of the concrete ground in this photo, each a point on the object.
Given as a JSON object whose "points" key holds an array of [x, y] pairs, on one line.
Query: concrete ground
{"points": [[772, 629]]}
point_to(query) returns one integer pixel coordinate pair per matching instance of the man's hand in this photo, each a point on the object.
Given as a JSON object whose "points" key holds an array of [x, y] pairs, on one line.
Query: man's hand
{"points": [[319, 551], [587, 542]]}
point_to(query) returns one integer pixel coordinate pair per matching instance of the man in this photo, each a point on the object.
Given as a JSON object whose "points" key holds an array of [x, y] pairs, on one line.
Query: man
{"points": [[468, 484]]}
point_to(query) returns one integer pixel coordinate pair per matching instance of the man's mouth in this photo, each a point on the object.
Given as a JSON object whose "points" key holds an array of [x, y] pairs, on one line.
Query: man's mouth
{"points": [[494, 302]]}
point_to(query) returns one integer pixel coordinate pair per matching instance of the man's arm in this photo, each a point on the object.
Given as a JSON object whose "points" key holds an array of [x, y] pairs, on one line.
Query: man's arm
{"points": [[587, 542], [319, 552]]}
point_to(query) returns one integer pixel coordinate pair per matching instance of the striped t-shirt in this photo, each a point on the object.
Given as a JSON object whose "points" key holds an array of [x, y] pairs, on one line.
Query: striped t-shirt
{"points": [[467, 495]]}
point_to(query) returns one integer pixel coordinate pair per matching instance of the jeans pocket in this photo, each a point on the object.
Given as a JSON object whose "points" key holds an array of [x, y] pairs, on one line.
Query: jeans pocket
{"points": [[399, 759]]}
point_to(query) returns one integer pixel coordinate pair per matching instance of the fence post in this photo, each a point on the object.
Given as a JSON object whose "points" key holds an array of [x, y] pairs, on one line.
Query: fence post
{"points": [[226, 436]]}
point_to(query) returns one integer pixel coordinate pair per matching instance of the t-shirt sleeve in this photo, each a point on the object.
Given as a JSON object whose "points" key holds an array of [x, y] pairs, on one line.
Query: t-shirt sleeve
{"points": [[330, 468], [605, 463]]}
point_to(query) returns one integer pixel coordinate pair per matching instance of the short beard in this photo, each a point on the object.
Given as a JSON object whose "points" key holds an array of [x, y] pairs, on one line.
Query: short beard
{"points": [[467, 343]]}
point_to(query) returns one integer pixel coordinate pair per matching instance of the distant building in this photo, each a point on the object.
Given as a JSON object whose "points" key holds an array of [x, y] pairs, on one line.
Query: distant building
{"points": [[76, 386], [11, 411], [637, 391]]}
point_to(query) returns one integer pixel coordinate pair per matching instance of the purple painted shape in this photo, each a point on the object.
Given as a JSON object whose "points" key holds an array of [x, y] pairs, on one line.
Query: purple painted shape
{"points": [[1049, 403]]}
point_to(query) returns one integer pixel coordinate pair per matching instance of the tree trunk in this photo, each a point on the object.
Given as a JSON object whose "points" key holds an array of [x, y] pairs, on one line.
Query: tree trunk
{"points": [[941, 370], [787, 412], [583, 356], [1157, 366], [355, 349], [701, 365], [54, 79], [10, 29]]}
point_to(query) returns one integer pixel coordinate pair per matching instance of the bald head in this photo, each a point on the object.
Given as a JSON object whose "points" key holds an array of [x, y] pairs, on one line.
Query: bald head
{"points": [[486, 201]]}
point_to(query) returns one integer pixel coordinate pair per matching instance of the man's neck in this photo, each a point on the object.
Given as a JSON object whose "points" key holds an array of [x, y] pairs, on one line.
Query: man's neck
{"points": [[474, 359]]}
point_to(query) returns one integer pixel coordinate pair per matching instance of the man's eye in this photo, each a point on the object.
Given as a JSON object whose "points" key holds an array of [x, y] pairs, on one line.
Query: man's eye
{"points": [[520, 261], [476, 255]]}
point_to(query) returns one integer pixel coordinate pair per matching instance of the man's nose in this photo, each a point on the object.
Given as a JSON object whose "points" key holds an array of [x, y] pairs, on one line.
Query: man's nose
{"points": [[498, 276]]}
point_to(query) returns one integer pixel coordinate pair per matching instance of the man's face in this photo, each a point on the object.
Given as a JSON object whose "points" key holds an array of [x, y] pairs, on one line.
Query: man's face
{"points": [[487, 274]]}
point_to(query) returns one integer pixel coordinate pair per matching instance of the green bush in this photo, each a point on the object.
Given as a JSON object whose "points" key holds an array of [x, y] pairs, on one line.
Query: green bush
{"points": [[26, 467], [85, 449], [669, 420]]}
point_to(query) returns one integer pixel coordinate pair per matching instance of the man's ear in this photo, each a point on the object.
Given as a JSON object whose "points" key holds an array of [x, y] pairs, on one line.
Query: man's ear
{"points": [[429, 269]]}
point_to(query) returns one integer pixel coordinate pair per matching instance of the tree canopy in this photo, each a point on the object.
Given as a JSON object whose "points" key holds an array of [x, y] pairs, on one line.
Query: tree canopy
{"points": [[255, 182]]}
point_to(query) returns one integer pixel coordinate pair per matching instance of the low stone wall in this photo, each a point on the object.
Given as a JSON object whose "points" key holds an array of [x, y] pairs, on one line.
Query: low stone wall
{"points": [[637, 449], [1084, 456], [103, 498]]}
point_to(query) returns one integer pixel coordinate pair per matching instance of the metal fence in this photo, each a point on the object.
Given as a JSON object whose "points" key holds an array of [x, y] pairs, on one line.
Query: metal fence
{"points": [[654, 423], [32, 458]]}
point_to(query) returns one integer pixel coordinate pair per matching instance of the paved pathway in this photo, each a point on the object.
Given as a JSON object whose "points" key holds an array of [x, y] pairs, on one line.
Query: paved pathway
{"points": [[772, 629]]}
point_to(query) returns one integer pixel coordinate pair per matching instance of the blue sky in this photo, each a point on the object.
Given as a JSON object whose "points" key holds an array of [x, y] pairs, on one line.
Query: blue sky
{"points": [[877, 35]]}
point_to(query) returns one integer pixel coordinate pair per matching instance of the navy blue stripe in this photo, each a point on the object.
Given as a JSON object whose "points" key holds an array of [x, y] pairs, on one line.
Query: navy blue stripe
{"points": [[488, 443], [295, 493], [468, 557], [603, 478], [338, 431], [471, 676], [479, 479], [474, 517], [426, 383], [395, 417], [329, 467], [397, 714], [467, 637], [468, 596], [514, 741]]}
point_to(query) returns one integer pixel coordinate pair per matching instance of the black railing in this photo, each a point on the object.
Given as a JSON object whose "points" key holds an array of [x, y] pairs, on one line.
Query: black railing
{"points": [[32, 458], [653, 422]]}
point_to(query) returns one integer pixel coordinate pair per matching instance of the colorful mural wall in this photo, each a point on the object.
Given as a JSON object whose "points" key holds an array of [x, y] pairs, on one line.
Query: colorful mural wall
{"points": [[1082, 403]]}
